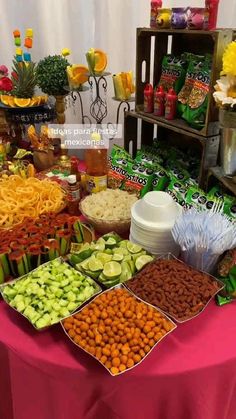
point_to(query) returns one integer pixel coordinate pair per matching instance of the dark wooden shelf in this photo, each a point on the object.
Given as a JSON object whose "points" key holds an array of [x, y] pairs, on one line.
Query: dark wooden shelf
{"points": [[177, 31], [228, 182], [177, 125]]}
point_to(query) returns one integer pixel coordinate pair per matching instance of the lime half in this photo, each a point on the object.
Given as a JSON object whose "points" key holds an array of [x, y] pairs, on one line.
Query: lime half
{"points": [[112, 269], [118, 257], [133, 248], [99, 245], [111, 242], [103, 257], [142, 261], [95, 265]]}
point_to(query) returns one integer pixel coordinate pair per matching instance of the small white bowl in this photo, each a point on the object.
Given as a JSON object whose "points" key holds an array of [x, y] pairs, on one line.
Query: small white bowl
{"points": [[155, 210]]}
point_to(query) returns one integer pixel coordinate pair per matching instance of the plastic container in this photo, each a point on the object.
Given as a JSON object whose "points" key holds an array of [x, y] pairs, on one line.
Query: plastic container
{"points": [[170, 105], [148, 98], [198, 18], [96, 165], [164, 18], [155, 6], [73, 197], [179, 18], [159, 101], [212, 7]]}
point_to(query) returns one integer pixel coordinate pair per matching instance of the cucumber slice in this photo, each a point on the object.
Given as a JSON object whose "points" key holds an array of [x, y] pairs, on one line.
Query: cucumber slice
{"points": [[142, 261], [112, 269]]}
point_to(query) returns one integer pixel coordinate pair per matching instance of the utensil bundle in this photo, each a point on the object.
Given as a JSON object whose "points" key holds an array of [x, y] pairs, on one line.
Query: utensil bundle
{"points": [[203, 237]]}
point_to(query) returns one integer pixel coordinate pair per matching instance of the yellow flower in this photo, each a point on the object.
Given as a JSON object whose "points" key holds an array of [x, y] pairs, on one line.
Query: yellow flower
{"points": [[65, 52], [229, 60]]}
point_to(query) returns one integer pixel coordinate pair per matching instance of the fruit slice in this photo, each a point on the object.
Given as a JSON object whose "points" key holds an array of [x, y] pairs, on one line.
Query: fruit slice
{"points": [[103, 257], [125, 272], [133, 248], [132, 266], [100, 60], [95, 265], [31, 170], [11, 102], [118, 257], [5, 99], [142, 261], [99, 245], [22, 103], [123, 243], [112, 269], [111, 242], [34, 101]]}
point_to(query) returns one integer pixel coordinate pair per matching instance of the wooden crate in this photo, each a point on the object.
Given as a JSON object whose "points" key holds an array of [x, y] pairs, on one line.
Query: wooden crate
{"points": [[205, 147], [177, 42]]}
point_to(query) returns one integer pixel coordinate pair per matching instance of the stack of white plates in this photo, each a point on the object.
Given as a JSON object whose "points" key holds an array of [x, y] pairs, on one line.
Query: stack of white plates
{"points": [[152, 219]]}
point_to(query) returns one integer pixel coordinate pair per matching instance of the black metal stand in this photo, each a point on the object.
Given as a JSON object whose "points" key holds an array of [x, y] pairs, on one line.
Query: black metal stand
{"points": [[98, 107], [125, 104], [76, 94]]}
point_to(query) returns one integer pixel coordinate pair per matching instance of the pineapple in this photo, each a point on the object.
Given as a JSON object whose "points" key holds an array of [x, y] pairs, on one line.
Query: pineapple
{"points": [[25, 79]]}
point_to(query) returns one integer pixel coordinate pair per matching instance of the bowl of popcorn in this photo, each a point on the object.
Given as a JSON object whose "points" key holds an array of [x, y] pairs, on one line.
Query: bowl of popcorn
{"points": [[109, 210]]}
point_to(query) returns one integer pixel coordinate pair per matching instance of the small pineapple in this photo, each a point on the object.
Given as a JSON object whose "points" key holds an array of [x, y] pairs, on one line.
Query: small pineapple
{"points": [[24, 80]]}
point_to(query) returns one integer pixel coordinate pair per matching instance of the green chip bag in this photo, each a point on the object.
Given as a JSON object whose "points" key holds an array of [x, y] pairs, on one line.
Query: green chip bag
{"points": [[138, 179], [172, 73], [195, 112], [117, 171], [160, 179], [147, 159], [193, 69], [178, 191], [118, 152], [198, 199]]}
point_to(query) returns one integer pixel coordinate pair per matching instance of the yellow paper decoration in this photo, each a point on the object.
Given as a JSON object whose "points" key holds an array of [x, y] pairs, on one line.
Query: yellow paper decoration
{"points": [[229, 60]]}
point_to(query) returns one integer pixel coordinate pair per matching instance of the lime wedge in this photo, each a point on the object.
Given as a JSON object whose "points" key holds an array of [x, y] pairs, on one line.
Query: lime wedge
{"points": [[121, 251], [113, 236], [112, 269], [125, 272], [103, 257], [142, 261], [132, 266], [127, 258], [95, 265], [110, 243], [108, 251], [118, 257], [85, 264], [99, 245], [123, 243], [133, 248], [135, 256]]}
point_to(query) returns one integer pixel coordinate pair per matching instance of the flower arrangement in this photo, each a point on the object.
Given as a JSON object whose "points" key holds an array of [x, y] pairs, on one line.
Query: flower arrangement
{"points": [[225, 94]]}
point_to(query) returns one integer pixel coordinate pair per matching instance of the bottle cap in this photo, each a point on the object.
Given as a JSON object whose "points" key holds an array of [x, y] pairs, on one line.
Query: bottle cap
{"points": [[71, 179]]}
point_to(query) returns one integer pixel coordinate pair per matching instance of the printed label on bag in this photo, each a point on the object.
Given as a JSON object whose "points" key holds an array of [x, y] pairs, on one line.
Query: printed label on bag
{"points": [[96, 183]]}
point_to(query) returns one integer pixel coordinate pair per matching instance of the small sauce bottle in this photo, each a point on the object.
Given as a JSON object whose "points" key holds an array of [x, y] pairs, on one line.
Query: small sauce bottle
{"points": [[212, 7], [73, 195], [170, 105], [159, 101], [148, 98]]}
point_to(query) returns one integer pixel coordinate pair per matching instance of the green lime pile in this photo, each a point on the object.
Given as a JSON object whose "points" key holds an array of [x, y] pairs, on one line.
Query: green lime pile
{"points": [[110, 260], [49, 293]]}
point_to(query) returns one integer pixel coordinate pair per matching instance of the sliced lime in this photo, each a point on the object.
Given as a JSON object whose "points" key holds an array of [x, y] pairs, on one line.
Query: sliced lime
{"points": [[112, 269], [95, 265], [110, 243], [103, 257], [133, 248], [125, 272], [127, 258], [84, 254], [123, 243], [108, 251], [117, 256], [93, 274], [113, 236], [132, 266], [135, 256], [99, 245], [121, 250], [85, 264], [142, 261]]}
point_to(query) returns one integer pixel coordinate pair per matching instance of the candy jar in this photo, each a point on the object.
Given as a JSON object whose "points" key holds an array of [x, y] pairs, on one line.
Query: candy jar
{"points": [[164, 18], [198, 18], [179, 18]]}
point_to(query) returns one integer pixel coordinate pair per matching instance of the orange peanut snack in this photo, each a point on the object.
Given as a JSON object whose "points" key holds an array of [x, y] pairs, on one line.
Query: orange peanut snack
{"points": [[118, 329]]}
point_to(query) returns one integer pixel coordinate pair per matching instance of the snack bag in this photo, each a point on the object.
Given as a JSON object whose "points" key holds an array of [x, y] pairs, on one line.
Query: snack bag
{"points": [[230, 206], [138, 179], [178, 191], [227, 274], [215, 192], [195, 112], [172, 73], [147, 159], [178, 172], [118, 153], [117, 170], [193, 68], [198, 199], [160, 179]]}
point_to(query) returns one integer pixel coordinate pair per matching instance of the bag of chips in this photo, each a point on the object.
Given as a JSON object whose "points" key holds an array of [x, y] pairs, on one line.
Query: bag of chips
{"points": [[172, 73], [147, 159], [195, 112], [193, 68], [118, 152], [138, 179], [117, 170], [227, 274], [178, 191], [160, 179]]}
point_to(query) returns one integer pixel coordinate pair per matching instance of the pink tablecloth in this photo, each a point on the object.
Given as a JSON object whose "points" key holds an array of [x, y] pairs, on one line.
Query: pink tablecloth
{"points": [[190, 375]]}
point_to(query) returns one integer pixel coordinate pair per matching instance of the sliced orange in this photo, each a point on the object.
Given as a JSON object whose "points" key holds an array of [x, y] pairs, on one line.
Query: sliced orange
{"points": [[100, 60], [11, 102], [22, 103], [44, 99], [35, 101], [31, 170], [4, 99]]}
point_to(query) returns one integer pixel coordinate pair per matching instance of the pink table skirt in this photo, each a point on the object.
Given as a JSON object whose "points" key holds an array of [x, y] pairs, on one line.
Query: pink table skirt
{"points": [[190, 375]]}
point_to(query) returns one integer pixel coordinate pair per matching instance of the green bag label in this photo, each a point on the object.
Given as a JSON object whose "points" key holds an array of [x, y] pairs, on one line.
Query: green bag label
{"points": [[172, 73], [138, 179], [117, 173]]}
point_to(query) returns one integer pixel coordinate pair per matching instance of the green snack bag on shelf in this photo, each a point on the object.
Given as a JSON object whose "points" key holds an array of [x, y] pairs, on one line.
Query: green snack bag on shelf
{"points": [[138, 179], [160, 179], [179, 172], [195, 112], [197, 198], [118, 153], [193, 68], [230, 206], [215, 192], [147, 159], [172, 73]]}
